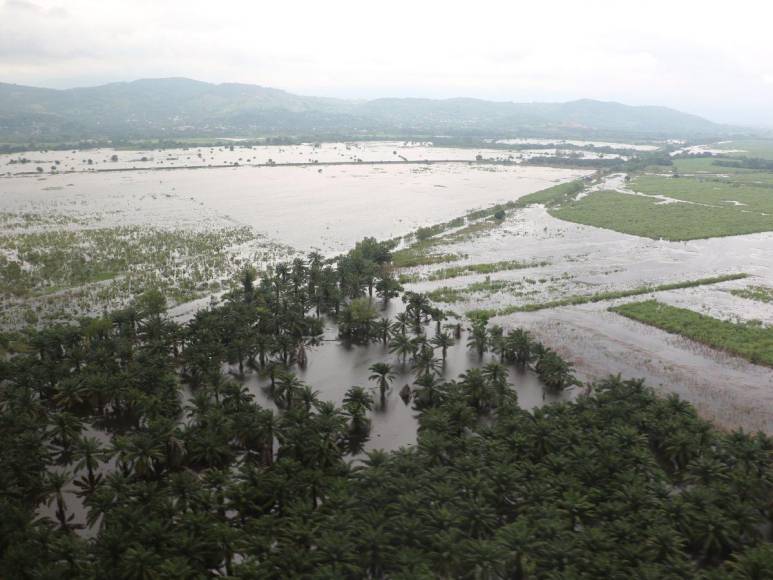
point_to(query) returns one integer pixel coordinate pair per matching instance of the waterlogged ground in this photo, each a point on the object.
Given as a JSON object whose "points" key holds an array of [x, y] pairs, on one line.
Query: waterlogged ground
{"points": [[233, 153], [333, 368], [263, 214], [326, 208], [585, 260], [329, 207]]}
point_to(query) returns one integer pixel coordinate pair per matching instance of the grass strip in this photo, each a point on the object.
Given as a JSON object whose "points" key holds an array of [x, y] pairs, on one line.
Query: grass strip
{"points": [[601, 296], [749, 340]]}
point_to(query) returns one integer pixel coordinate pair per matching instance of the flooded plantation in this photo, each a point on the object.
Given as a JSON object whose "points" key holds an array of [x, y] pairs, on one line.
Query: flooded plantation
{"points": [[291, 209]]}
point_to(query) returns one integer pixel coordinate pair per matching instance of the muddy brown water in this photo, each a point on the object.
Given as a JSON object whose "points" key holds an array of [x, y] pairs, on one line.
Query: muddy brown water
{"points": [[333, 367]]}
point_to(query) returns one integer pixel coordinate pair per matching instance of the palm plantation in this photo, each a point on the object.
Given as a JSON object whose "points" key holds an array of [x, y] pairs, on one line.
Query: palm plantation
{"points": [[183, 474]]}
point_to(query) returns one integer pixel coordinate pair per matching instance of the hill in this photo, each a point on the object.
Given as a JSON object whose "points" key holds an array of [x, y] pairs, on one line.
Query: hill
{"points": [[179, 107]]}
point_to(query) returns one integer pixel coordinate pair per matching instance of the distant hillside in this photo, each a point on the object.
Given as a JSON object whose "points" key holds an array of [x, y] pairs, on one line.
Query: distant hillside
{"points": [[178, 107]]}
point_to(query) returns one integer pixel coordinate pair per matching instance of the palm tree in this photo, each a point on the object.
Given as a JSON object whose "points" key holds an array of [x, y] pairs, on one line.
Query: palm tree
{"points": [[66, 429], [401, 345], [88, 454], [381, 329], [517, 541], [55, 483], [308, 396], [401, 323], [288, 385], [478, 337], [418, 306], [497, 342], [439, 316], [577, 506], [357, 402], [518, 346], [496, 374], [554, 371], [425, 363], [143, 454], [428, 392], [443, 341], [477, 389], [383, 375], [753, 563]]}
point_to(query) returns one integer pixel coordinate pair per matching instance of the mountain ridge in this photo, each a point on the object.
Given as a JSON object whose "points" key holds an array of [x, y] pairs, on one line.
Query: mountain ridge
{"points": [[177, 107]]}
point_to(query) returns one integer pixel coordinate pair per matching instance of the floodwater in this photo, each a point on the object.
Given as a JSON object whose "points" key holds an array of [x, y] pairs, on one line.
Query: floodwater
{"points": [[334, 367], [578, 143], [107, 159], [586, 260], [332, 207], [308, 207]]}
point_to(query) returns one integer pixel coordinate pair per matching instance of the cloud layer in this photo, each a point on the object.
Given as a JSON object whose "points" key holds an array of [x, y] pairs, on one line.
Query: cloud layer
{"points": [[704, 57]]}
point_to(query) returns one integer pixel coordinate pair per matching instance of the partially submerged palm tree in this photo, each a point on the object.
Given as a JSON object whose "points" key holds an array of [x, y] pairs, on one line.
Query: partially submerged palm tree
{"points": [[443, 341], [383, 375]]}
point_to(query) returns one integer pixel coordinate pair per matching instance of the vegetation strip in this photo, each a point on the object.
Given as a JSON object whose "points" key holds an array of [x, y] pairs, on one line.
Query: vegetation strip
{"points": [[749, 340], [601, 296], [288, 164], [758, 293], [472, 224]]}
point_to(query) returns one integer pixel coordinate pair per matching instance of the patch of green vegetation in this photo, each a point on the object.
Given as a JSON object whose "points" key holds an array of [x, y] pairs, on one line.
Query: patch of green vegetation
{"points": [[552, 195], [457, 271], [720, 193], [450, 295], [26, 220], [761, 148], [419, 255], [703, 165], [472, 225], [758, 293], [646, 217], [426, 232], [62, 273], [601, 296], [41, 262], [751, 341]]}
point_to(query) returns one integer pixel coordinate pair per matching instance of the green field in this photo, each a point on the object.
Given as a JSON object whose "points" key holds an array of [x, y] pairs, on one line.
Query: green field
{"points": [[705, 165], [760, 148], [750, 341], [713, 191], [650, 218]]}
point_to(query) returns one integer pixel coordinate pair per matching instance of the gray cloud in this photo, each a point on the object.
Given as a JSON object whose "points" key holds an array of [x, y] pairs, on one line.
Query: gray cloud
{"points": [[701, 57]]}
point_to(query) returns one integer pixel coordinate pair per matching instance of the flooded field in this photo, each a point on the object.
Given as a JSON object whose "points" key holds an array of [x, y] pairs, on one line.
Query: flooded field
{"points": [[587, 260], [334, 367], [305, 207], [232, 153], [300, 208]]}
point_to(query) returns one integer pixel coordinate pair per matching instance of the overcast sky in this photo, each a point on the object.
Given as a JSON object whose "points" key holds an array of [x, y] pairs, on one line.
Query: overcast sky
{"points": [[706, 57]]}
